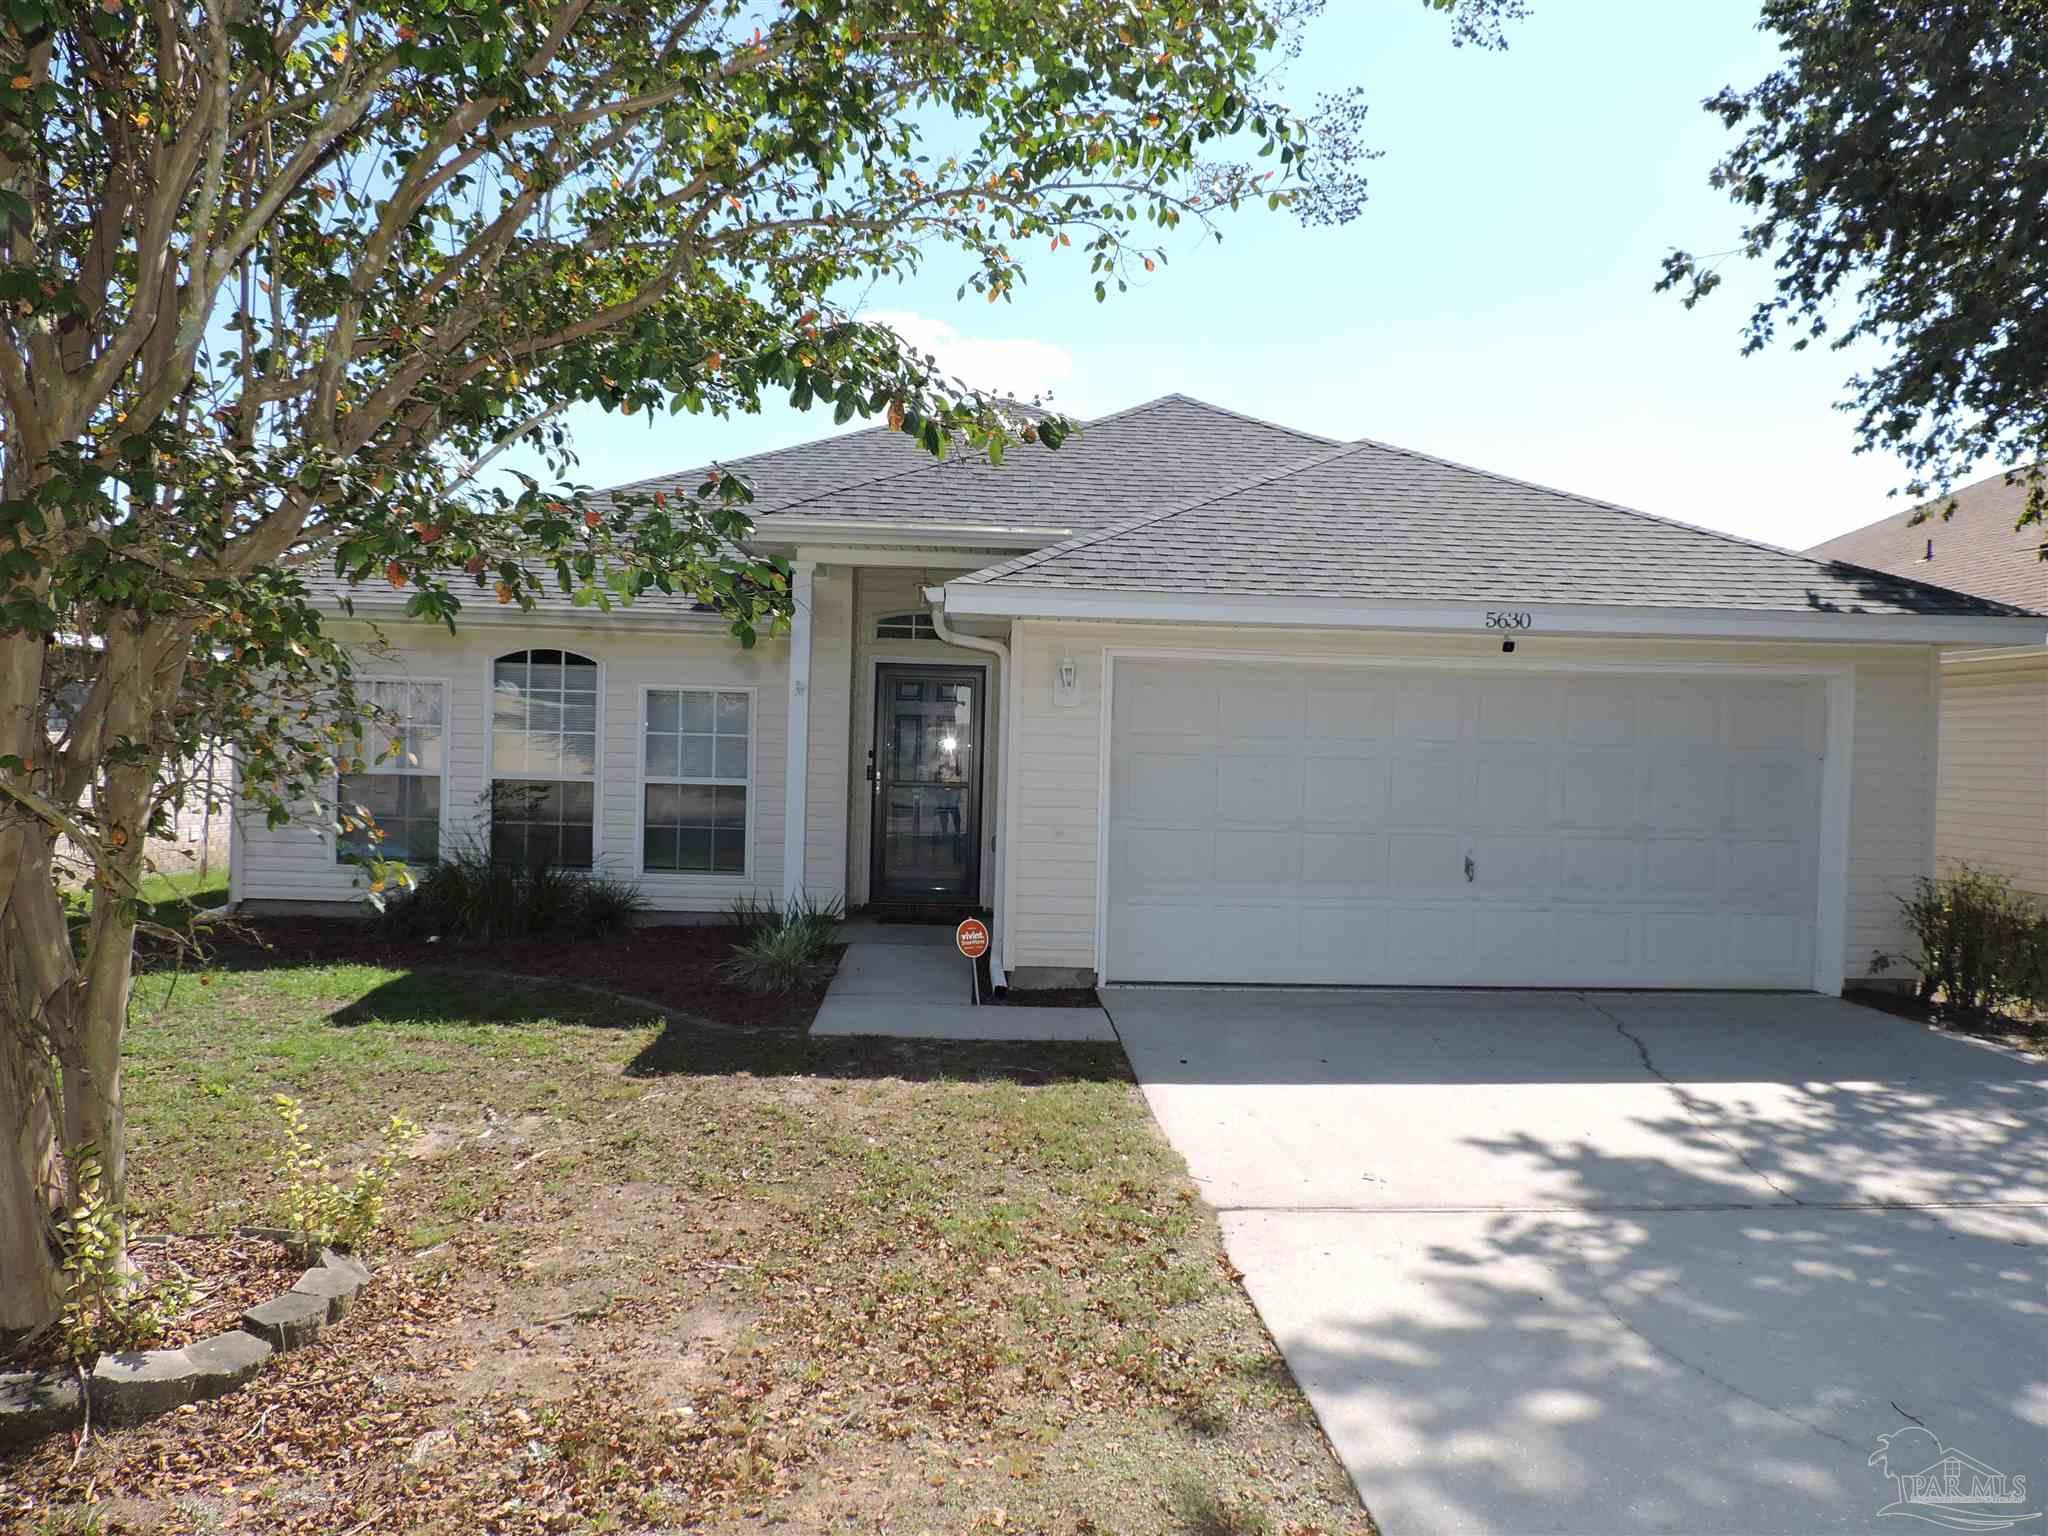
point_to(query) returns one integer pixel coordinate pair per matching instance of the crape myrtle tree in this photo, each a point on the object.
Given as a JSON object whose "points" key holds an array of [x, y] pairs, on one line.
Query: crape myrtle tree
{"points": [[1894, 170], [276, 276]]}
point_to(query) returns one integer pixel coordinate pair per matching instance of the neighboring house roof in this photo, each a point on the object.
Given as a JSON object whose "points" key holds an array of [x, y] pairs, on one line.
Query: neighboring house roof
{"points": [[1369, 522], [1979, 549]]}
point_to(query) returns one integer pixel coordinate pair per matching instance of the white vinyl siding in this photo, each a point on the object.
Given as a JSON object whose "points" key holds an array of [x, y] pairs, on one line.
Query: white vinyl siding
{"points": [[1060, 763], [296, 862], [1992, 809], [831, 715]]}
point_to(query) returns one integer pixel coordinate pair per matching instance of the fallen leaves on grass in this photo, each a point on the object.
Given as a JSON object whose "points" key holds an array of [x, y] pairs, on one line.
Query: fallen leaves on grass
{"points": [[737, 1278]]}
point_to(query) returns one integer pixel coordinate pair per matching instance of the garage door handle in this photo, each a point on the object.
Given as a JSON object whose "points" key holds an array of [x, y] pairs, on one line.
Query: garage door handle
{"points": [[1471, 869]]}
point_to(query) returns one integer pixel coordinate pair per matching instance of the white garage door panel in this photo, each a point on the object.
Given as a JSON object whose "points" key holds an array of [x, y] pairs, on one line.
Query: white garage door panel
{"points": [[1330, 824]]}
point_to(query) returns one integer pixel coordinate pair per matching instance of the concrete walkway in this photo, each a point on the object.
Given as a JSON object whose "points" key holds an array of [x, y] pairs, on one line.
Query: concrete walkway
{"points": [[1624, 1263], [909, 983]]}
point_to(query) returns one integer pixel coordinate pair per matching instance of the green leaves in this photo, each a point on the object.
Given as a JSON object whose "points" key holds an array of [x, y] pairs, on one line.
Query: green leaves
{"points": [[1894, 172], [408, 235]]}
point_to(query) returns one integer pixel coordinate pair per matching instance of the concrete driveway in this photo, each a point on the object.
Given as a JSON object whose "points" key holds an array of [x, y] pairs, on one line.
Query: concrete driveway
{"points": [[1624, 1262]]}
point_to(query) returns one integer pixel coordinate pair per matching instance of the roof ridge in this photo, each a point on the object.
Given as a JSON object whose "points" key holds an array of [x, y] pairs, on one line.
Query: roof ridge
{"points": [[929, 462], [1653, 517], [1256, 421], [751, 458], [1024, 562], [936, 464]]}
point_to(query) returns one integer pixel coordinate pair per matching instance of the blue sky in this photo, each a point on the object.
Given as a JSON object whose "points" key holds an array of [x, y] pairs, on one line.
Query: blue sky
{"points": [[1492, 304]]}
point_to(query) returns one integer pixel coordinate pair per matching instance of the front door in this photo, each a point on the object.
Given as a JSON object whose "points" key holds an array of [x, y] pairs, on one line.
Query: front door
{"points": [[925, 775]]}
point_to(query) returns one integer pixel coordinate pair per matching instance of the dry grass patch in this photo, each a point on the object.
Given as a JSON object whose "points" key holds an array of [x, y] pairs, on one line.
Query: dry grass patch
{"points": [[655, 1276]]}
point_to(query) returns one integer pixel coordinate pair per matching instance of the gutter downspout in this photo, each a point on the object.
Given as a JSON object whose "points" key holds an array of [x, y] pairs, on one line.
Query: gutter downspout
{"points": [[797, 762], [936, 596]]}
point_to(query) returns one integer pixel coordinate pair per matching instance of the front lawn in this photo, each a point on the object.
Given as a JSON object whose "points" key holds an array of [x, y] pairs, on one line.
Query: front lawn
{"points": [[647, 1275]]}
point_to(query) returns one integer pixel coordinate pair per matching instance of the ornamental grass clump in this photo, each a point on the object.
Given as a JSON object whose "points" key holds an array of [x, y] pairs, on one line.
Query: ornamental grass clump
{"points": [[785, 949]]}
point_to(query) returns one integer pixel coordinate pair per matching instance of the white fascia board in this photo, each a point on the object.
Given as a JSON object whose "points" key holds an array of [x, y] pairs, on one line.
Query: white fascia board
{"points": [[512, 616], [2031, 658], [965, 599], [918, 557], [883, 533]]}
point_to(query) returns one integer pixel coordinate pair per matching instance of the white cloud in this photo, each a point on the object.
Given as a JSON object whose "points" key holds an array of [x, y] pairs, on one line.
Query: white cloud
{"points": [[1007, 365]]}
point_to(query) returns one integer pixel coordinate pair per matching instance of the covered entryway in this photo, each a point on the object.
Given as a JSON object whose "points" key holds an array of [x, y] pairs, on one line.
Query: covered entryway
{"points": [[1339, 823]]}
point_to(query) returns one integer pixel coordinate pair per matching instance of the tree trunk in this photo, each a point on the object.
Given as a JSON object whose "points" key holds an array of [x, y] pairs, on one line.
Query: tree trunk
{"points": [[31, 1185], [62, 1019], [41, 991]]}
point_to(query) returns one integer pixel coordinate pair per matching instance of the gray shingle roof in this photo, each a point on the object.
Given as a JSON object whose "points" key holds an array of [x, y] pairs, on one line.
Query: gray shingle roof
{"points": [[1135, 461], [801, 471], [1979, 549], [1371, 522]]}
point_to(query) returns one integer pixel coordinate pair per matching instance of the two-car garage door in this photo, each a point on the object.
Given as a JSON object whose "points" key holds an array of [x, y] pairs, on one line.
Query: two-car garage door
{"points": [[1371, 825]]}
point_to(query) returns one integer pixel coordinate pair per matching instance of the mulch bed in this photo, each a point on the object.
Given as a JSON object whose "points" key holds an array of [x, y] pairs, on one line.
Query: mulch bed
{"points": [[226, 1277], [1047, 997], [1033, 997], [675, 967], [2029, 1035]]}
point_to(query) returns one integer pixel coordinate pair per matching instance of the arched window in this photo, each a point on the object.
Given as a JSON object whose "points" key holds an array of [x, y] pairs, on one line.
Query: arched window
{"points": [[906, 626], [544, 759]]}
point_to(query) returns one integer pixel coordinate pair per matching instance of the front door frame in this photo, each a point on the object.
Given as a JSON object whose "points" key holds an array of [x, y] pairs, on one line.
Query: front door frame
{"points": [[962, 671]]}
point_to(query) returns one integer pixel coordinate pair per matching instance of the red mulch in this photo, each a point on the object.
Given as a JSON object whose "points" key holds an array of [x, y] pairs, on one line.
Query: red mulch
{"points": [[676, 967]]}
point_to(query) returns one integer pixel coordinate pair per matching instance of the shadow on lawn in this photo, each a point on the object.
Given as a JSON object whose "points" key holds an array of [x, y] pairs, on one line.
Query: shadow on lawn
{"points": [[688, 1050], [448, 995]]}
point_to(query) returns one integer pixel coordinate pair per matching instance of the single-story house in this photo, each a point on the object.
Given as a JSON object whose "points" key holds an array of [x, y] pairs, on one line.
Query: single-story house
{"points": [[1199, 698], [1991, 803]]}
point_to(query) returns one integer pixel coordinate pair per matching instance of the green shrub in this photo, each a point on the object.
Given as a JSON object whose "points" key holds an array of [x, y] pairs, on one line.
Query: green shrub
{"points": [[468, 898], [313, 1205], [607, 908], [1982, 946], [785, 949], [107, 1304]]}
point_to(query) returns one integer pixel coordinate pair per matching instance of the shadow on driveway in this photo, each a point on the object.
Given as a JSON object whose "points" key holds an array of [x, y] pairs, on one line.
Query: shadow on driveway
{"points": [[1623, 1262]]}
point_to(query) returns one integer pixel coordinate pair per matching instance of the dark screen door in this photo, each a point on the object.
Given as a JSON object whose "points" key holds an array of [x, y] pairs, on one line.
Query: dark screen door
{"points": [[927, 784]]}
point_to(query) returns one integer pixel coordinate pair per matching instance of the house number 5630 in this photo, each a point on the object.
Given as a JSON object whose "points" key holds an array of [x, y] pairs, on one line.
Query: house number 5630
{"points": [[1499, 619]]}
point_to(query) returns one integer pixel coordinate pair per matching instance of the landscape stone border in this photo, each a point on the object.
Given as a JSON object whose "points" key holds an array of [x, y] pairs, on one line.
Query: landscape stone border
{"points": [[135, 1386]]}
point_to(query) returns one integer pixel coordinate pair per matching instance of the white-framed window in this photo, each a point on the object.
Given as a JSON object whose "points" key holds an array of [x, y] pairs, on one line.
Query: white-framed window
{"points": [[390, 808], [544, 733], [697, 767], [906, 626]]}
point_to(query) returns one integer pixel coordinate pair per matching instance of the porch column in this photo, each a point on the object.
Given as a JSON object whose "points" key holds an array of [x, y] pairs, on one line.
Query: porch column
{"points": [[797, 765]]}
